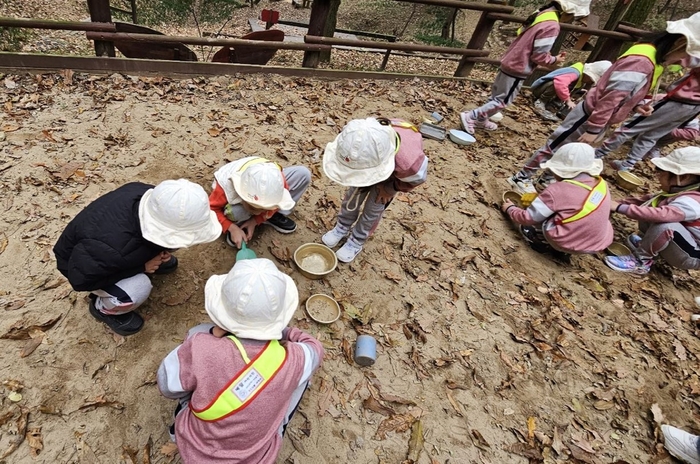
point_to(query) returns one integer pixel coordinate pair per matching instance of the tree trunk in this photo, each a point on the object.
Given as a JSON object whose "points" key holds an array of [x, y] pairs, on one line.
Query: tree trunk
{"points": [[99, 12], [612, 22], [329, 28], [640, 12], [449, 24]]}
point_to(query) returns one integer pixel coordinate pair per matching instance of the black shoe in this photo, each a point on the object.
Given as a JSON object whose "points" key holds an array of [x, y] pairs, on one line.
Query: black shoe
{"points": [[282, 223], [167, 267], [123, 324], [230, 242]]}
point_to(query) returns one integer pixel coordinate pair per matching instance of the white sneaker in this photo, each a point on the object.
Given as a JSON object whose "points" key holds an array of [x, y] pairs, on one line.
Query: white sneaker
{"points": [[522, 185], [334, 236], [349, 251], [681, 444]]}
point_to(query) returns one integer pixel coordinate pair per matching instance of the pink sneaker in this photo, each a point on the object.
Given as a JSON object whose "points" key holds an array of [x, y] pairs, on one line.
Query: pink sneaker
{"points": [[486, 124], [468, 123]]}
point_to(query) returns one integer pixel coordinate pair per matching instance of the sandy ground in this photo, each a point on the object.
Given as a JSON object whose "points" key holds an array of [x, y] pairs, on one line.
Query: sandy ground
{"points": [[489, 352]]}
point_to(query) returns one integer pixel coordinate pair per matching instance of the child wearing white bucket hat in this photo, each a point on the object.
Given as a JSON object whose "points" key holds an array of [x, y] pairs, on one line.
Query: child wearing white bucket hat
{"points": [[674, 114], [253, 191], [553, 90], [239, 381], [375, 159], [531, 48], [619, 92], [571, 215], [109, 248], [669, 221]]}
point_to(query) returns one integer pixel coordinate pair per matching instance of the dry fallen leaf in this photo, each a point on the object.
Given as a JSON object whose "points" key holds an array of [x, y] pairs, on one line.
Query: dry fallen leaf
{"points": [[396, 423], [36, 443], [531, 428], [415, 443], [101, 401], [373, 405], [33, 343], [169, 450], [21, 431], [19, 331], [3, 242], [680, 350]]}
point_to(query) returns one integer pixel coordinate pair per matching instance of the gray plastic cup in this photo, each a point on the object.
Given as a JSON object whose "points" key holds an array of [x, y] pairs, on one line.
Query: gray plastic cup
{"points": [[365, 350]]}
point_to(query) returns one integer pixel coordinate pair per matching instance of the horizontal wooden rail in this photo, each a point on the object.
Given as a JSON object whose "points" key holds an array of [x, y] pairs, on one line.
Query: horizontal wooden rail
{"points": [[60, 25], [156, 38], [29, 62], [374, 35], [313, 39], [465, 5], [568, 27], [639, 33]]}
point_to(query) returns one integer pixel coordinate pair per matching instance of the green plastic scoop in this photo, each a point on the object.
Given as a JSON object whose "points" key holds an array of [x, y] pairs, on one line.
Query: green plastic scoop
{"points": [[245, 253]]}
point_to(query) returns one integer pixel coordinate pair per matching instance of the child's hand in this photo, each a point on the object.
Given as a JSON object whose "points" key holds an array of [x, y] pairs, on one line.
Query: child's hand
{"points": [[237, 235], [644, 110], [560, 58], [506, 204], [613, 206], [383, 195], [570, 104], [218, 332], [153, 264], [248, 228], [588, 138]]}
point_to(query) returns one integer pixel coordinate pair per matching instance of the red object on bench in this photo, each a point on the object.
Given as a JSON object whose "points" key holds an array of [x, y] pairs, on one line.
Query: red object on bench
{"points": [[270, 16]]}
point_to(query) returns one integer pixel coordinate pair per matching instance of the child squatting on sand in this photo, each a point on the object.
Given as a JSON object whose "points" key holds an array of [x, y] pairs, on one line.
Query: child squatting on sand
{"points": [[375, 159], [239, 381], [572, 214], [669, 222]]}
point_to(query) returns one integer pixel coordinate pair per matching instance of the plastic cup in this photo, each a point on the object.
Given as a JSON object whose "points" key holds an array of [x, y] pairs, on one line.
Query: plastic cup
{"points": [[365, 350]]}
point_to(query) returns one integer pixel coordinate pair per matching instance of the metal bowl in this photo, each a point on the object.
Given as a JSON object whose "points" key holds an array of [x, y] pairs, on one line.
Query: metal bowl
{"points": [[514, 197], [315, 261], [322, 308], [618, 249], [628, 181]]}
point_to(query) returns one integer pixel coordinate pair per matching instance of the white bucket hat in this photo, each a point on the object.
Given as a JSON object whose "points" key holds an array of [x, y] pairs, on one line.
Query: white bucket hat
{"points": [[573, 159], [262, 185], [176, 214], [690, 28], [596, 69], [362, 154], [680, 161], [575, 7], [254, 300]]}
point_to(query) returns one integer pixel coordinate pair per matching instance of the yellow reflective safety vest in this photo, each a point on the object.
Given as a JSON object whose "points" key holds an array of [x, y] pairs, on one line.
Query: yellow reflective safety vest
{"points": [[649, 51], [542, 17], [247, 384], [578, 67], [593, 201], [259, 160], [655, 200]]}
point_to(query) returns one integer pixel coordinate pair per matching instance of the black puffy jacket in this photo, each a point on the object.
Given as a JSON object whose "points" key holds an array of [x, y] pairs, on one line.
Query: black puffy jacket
{"points": [[103, 243]]}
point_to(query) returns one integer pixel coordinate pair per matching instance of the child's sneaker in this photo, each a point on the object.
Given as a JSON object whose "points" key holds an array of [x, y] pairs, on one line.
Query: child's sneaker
{"points": [[628, 263], [281, 223], [229, 241], [522, 184], [468, 123], [171, 432], [123, 324], [349, 251], [653, 154], [167, 267], [486, 124], [621, 165], [681, 444], [633, 241], [334, 236]]}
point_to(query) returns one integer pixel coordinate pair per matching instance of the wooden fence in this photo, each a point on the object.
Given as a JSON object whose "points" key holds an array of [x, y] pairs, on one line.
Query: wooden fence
{"points": [[103, 32]]}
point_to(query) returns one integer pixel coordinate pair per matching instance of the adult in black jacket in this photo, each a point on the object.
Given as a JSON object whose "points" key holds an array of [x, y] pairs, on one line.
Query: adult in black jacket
{"points": [[109, 248]]}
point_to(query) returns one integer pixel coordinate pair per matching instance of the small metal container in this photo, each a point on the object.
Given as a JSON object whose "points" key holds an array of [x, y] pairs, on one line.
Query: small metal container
{"points": [[322, 258]]}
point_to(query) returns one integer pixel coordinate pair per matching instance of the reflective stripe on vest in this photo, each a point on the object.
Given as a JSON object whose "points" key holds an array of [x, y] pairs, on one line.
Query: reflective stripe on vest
{"points": [[654, 201], [247, 384], [542, 17], [593, 200], [578, 67], [250, 163], [648, 51]]}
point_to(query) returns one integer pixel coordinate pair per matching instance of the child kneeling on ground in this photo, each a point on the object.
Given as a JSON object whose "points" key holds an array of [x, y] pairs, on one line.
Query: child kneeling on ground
{"points": [[669, 221], [572, 214], [375, 158], [253, 191], [239, 382]]}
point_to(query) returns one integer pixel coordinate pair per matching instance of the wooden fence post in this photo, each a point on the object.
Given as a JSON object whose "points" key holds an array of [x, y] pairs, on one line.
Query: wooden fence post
{"points": [[99, 12], [477, 40], [320, 10]]}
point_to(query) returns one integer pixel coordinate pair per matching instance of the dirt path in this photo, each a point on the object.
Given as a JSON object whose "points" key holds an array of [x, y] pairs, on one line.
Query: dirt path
{"points": [[479, 335]]}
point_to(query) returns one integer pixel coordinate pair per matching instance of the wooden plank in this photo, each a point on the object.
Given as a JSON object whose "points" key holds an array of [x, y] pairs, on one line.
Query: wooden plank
{"points": [[567, 27], [374, 35], [58, 25], [495, 8], [320, 9], [394, 46], [27, 62], [151, 38], [477, 41]]}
